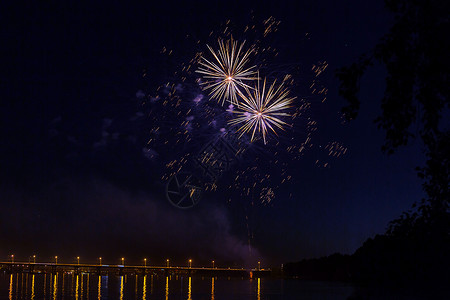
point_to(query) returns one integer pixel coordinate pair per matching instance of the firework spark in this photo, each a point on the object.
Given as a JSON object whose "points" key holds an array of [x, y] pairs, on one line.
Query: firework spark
{"points": [[224, 75], [260, 110]]}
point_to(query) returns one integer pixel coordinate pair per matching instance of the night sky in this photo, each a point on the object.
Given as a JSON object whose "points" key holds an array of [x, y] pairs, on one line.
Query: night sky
{"points": [[74, 179]]}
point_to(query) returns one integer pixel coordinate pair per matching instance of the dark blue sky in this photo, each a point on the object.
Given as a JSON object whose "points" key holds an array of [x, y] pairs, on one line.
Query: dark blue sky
{"points": [[70, 70]]}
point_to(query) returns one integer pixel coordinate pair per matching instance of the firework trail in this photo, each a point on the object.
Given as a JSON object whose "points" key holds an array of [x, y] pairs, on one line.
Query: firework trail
{"points": [[186, 112]]}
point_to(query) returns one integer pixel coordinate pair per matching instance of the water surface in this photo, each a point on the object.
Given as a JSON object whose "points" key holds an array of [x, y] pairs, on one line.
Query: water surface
{"points": [[92, 286]]}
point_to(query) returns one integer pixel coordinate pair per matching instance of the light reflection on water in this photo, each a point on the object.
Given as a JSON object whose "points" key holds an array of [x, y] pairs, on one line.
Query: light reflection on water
{"points": [[76, 289], [190, 289], [167, 287], [144, 288], [99, 287], [32, 287], [259, 289], [152, 286], [212, 288], [121, 288], [55, 286]]}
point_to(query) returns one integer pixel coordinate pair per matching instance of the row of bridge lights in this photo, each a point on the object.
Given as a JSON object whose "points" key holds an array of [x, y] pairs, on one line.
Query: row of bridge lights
{"points": [[122, 259]]}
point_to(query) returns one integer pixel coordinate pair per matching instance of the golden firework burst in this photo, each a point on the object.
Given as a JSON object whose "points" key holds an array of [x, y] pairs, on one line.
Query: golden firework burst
{"points": [[260, 109], [227, 72]]}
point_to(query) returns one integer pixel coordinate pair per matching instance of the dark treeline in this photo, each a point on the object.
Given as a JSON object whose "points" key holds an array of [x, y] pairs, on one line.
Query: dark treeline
{"points": [[388, 260], [336, 267], [416, 105]]}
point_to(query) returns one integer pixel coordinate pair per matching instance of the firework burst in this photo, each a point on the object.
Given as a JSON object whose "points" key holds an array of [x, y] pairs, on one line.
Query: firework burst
{"points": [[227, 72], [260, 109]]}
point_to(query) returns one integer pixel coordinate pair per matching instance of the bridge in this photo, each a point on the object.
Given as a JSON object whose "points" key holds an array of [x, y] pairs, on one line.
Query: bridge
{"points": [[103, 269]]}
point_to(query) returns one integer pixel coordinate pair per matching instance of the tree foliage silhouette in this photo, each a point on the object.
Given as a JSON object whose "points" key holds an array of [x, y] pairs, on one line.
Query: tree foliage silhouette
{"points": [[416, 100], [415, 105], [414, 250]]}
